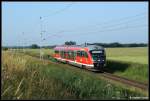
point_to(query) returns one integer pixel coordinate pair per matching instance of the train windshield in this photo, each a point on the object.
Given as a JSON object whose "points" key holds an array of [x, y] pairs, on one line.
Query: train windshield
{"points": [[96, 55]]}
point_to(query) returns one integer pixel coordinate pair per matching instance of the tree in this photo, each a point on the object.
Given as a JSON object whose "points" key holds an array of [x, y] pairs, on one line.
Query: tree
{"points": [[4, 48], [34, 46], [70, 43]]}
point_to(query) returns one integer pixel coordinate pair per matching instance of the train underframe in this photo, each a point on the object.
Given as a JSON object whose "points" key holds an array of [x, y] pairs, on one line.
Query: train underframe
{"points": [[94, 67]]}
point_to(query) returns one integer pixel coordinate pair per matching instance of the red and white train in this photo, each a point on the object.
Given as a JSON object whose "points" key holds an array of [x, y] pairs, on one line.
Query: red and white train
{"points": [[91, 56]]}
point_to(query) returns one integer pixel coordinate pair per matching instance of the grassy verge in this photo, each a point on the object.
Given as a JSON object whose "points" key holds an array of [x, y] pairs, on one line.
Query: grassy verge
{"points": [[134, 71], [120, 61], [25, 77], [131, 63], [135, 55]]}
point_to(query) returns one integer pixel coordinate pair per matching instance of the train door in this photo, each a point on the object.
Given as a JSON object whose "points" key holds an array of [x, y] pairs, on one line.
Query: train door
{"points": [[86, 59], [83, 58], [56, 53], [72, 55], [65, 54], [78, 57]]}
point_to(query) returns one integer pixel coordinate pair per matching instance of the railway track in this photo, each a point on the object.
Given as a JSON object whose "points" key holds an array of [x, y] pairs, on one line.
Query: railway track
{"points": [[126, 81], [123, 80]]}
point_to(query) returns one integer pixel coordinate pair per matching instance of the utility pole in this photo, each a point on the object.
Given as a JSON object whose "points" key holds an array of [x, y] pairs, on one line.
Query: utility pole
{"points": [[23, 42], [42, 31], [41, 37]]}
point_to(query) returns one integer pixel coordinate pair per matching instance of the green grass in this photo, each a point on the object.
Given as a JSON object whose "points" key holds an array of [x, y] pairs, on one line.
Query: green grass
{"points": [[37, 51], [131, 63], [136, 55], [134, 71], [25, 77]]}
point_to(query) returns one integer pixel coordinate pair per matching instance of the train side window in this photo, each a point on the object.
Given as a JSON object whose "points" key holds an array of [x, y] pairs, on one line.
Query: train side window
{"points": [[82, 53], [78, 53], [74, 55], [64, 54], [56, 51], [85, 54], [69, 55], [61, 54]]}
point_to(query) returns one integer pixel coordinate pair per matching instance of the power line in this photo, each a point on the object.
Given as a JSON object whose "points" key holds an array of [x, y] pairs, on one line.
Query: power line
{"points": [[116, 23], [69, 5], [123, 22], [56, 12], [124, 18], [59, 11], [54, 35], [108, 28], [115, 29]]}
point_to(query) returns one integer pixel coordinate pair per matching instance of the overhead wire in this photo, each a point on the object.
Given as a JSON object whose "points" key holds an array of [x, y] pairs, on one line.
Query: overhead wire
{"points": [[112, 24], [108, 26], [128, 18], [114, 29], [59, 11], [54, 13]]}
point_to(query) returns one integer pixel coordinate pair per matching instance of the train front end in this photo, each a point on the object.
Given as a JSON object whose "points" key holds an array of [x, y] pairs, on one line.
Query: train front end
{"points": [[98, 55]]}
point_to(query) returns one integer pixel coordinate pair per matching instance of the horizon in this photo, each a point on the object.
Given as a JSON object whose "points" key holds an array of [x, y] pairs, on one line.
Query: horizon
{"points": [[76, 44]]}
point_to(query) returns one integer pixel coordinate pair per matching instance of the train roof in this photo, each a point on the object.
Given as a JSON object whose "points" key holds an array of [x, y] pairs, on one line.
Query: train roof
{"points": [[95, 47], [90, 47]]}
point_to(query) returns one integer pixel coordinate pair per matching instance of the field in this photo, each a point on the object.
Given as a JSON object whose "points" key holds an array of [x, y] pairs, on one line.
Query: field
{"points": [[136, 55], [26, 77], [131, 63]]}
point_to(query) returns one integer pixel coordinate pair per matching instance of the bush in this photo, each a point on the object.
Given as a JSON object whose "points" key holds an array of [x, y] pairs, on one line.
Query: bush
{"points": [[5, 48]]}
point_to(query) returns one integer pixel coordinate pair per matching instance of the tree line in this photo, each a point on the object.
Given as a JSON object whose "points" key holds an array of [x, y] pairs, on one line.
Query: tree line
{"points": [[106, 45], [116, 44]]}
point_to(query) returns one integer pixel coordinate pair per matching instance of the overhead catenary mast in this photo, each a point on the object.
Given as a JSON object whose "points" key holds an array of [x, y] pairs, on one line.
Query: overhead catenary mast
{"points": [[23, 42], [42, 31], [41, 39], [41, 18]]}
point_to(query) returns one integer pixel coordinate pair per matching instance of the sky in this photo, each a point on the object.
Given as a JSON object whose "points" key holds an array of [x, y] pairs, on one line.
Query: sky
{"points": [[104, 22]]}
